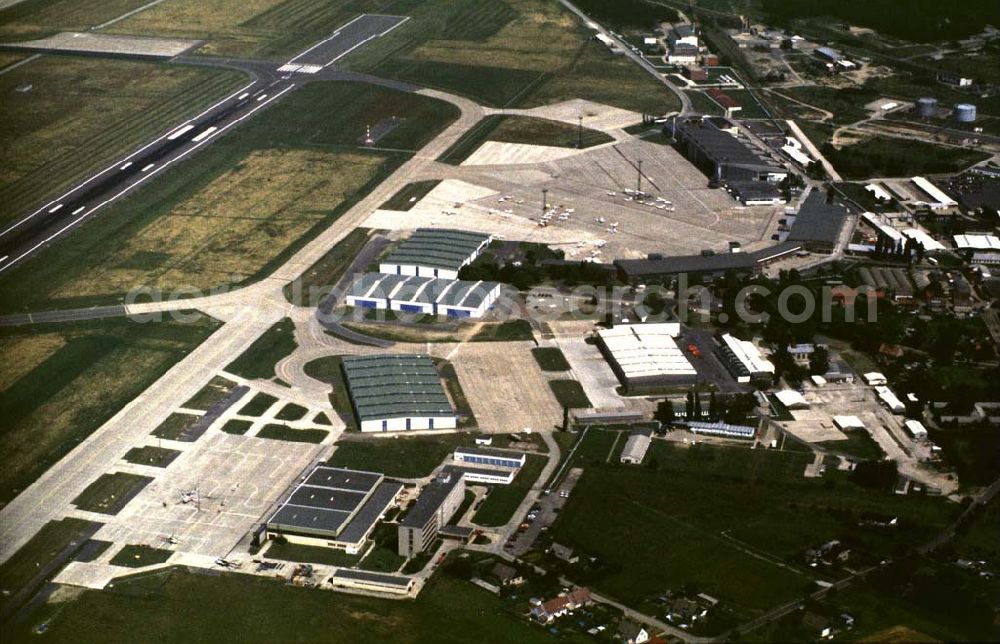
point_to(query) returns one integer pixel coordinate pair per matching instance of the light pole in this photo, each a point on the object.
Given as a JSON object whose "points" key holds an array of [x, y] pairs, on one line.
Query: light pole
{"points": [[579, 133], [545, 200], [638, 178]]}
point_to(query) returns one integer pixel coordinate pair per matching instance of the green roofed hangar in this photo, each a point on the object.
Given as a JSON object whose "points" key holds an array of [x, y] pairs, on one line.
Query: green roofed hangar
{"points": [[435, 252], [397, 393]]}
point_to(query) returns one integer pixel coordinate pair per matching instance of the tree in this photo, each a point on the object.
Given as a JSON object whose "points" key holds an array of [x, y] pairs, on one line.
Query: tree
{"points": [[713, 409], [697, 405], [665, 413], [565, 424], [819, 361], [689, 405]]}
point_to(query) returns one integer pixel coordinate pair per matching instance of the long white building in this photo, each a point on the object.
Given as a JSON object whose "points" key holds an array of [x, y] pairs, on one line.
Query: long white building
{"points": [[745, 360], [646, 354]]}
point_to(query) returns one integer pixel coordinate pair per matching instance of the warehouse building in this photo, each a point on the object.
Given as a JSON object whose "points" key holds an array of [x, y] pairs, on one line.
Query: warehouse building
{"points": [[792, 399], [334, 507], [397, 393], [939, 200], [817, 224], [722, 430], [423, 295], [916, 429], [437, 503], [646, 355], [722, 156], [372, 581], [435, 252], [977, 242], [744, 360], [636, 447], [645, 271], [493, 457], [890, 400], [848, 423]]}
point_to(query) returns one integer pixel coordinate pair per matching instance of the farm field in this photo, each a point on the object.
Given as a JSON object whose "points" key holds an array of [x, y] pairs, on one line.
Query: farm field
{"points": [[745, 551], [239, 208], [82, 114], [61, 382], [446, 611]]}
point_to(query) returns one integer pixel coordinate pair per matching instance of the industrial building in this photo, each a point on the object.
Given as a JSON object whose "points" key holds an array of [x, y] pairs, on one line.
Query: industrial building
{"points": [[645, 271], [423, 295], [890, 400], [636, 447], [720, 155], [724, 430], [487, 476], [792, 399], [397, 393], [915, 428], [848, 423], [939, 200], [977, 242], [818, 223], [744, 360], [435, 252], [494, 457], [334, 507], [372, 581], [432, 510], [646, 355], [885, 281]]}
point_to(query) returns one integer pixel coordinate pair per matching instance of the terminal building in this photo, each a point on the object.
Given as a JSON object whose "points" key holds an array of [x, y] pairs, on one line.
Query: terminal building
{"points": [[744, 360], [423, 295], [334, 507], [392, 393], [437, 503], [435, 252], [661, 269], [646, 355]]}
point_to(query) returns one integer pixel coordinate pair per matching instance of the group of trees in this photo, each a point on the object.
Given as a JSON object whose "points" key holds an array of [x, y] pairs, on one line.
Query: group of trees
{"points": [[909, 251], [729, 409]]}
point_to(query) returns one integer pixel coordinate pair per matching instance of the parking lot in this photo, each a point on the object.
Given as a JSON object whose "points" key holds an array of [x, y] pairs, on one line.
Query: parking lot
{"points": [[545, 513]]}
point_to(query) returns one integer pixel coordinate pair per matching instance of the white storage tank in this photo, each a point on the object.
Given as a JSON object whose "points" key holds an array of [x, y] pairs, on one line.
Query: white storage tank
{"points": [[926, 107], [965, 113]]}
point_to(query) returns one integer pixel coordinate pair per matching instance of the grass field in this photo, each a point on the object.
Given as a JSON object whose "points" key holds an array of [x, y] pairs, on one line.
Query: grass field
{"points": [[445, 612], [404, 457], [258, 404], [83, 114], [328, 370], [503, 500], [216, 389], [510, 331], [519, 53], [259, 359], [240, 208], [139, 556], [111, 492], [746, 550], [384, 555], [236, 426], [550, 359], [520, 129], [151, 455], [34, 18], [318, 280], [291, 411], [889, 157], [285, 433], [569, 393], [58, 383], [37, 560], [174, 426], [311, 554]]}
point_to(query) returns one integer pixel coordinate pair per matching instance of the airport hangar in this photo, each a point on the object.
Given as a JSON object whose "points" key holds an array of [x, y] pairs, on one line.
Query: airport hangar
{"points": [[435, 252], [662, 269], [397, 393], [646, 355], [423, 295], [334, 507]]}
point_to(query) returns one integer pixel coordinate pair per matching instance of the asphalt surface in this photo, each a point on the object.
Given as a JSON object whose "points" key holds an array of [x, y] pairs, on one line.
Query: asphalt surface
{"points": [[41, 317], [346, 39]]}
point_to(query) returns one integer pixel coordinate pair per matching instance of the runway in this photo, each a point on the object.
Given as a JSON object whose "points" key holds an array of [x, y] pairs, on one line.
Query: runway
{"points": [[58, 217]]}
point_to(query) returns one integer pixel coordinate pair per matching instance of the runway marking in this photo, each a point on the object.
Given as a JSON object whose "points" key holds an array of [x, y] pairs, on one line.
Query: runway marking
{"points": [[57, 208], [336, 34], [147, 167], [75, 212], [181, 132], [261, 97], [204, 135], [128, 159], [242, 96], [144, 178]]}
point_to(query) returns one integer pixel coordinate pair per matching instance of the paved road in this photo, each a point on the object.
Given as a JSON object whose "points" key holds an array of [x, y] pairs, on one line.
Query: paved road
{"points": [[686, 107]]}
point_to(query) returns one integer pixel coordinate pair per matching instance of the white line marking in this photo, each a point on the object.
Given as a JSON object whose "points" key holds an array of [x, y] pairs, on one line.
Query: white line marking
{"points": [[205, 134], [113, 166], [57, 208], [147, 167], [125, 166], [78, 210], [181, 132], [130, 187], [323, 42], [242, 96], [261, 97]]}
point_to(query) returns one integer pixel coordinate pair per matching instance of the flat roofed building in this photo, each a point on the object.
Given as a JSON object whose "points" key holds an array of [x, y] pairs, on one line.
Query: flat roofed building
{"points": [[916, 428], [646, 354], [641, 271], [372, 581], [423, 295], [818, 223], [435, 252], [940, 199], [636, 447], [721, 155], [397, 393], [333, 507], [890, 400], [792, 399], [875, 378], [744, 360], [847, 423], [977, 242], [488, 476], [495, 457], [435, 506]]}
